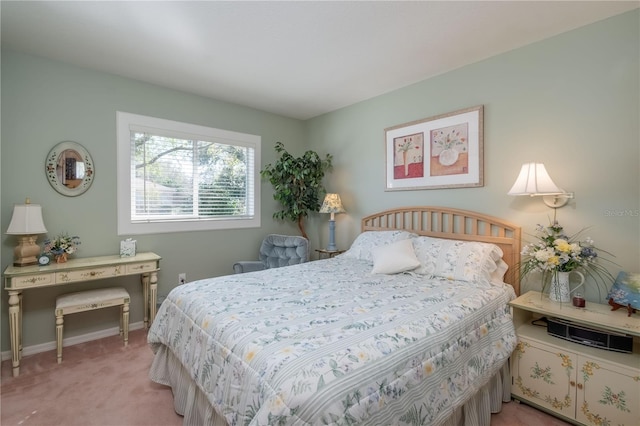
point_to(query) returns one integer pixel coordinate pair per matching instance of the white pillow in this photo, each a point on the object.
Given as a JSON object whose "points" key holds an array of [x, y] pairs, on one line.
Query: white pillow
{"points": [[427, 250], [367, 241], [497, 276], [458, 260], [395, 257]]}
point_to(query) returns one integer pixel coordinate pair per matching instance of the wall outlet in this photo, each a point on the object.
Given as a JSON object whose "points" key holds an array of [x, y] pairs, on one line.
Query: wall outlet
{"points": [[182, 278]]}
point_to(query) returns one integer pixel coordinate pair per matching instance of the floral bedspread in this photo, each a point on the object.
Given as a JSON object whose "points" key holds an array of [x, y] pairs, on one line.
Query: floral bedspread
{"points": [[327, 342]]}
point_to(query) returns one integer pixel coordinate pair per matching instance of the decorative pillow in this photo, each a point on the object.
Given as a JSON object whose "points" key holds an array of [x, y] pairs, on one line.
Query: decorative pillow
{"points": [[626, 290], [497, 276], [367, 241], [427, 250], [393, 258], [458, 260]]}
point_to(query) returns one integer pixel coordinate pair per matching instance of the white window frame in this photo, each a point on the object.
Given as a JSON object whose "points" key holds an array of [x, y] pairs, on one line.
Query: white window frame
{"points": [[125, 122]]}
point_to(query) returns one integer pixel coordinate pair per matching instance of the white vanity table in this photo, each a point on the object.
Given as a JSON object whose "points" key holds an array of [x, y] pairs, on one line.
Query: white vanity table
{"points": [[17, 279]]}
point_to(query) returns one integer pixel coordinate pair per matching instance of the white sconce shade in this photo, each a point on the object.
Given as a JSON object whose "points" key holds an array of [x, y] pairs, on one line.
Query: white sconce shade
{"points": [[332, 204], [26, 222], [534, 180]]}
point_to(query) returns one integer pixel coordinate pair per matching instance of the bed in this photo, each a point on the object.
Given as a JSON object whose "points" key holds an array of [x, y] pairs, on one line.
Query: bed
{"points": [[366, 337]]}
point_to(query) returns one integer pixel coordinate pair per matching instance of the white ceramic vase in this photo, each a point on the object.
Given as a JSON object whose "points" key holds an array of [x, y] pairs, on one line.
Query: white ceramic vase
{"points": [[560, 291], [448, 156]]}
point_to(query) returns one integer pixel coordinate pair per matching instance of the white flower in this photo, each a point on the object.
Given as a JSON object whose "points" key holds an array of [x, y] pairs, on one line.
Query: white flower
{"points": [[554, 251], [544, 255]]}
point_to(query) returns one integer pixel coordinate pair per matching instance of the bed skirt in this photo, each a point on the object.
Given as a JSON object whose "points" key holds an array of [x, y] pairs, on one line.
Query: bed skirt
{"points": [[191, 403]]}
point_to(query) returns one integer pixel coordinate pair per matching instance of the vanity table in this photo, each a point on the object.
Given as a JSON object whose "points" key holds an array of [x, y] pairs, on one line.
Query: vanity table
{"points": [[17, 279]]}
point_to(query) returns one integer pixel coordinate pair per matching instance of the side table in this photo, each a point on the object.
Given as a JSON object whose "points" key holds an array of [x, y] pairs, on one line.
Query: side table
{"points": [[579, 383], [328, 253]]}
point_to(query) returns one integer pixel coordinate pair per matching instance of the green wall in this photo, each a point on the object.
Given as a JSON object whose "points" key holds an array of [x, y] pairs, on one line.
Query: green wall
{"points": [[46, 102], [571, 101]]}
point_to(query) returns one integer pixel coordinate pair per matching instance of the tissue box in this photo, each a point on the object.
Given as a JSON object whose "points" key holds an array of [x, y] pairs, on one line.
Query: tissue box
{"points": [[128, 248]]}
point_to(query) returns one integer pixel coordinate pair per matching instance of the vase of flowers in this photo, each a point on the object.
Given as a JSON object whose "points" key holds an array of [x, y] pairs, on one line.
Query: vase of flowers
{"points": [[559, 291], [556, 255], [450, 144], [404, 146], [61, 247]]}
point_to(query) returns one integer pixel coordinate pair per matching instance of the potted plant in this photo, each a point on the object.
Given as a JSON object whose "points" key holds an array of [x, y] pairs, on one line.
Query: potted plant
{"points": [[297, 183]]}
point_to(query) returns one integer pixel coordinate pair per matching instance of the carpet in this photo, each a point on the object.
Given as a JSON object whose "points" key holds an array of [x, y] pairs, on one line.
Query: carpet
{"points": [[98, 383], [104, 383]]}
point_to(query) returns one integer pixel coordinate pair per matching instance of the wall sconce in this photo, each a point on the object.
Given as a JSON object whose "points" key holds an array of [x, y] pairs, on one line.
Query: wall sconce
{"points": [[332, 204], [27, 223], [534, 180]]}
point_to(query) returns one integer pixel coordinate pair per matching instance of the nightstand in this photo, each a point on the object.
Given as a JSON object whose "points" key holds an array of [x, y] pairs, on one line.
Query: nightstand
{"points": [[328, 253], [580, 383]]}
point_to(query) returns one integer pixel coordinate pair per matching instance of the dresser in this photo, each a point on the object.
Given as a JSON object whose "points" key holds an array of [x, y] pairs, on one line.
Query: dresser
{"points": [[17, 279]]}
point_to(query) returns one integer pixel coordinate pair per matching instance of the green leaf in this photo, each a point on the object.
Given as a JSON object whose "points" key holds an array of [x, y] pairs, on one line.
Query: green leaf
{"points": [[320, 383], [297, 183]]}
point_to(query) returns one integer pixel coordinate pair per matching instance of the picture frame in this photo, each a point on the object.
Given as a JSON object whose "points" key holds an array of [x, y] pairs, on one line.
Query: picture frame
{"points": [[445, 151]]}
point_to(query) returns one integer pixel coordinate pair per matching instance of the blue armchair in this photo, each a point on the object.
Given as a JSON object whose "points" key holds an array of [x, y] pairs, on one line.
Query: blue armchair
{"points": [[276, 251]]}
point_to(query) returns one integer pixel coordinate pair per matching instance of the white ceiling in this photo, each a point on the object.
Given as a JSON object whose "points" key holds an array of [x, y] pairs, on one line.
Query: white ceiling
{"points": [[298, 59]]}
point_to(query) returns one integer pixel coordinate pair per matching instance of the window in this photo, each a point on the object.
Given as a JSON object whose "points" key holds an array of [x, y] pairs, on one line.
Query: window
{"points": [[175, 177]]}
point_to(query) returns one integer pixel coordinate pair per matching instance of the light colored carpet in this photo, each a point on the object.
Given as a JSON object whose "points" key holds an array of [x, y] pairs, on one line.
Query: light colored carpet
{"points": [[103, 383]]}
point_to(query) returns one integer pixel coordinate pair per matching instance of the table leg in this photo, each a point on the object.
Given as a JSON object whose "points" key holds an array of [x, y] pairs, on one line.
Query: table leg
{"points": [[153, 296], [15, 329], [145, 298], [20, 325]]}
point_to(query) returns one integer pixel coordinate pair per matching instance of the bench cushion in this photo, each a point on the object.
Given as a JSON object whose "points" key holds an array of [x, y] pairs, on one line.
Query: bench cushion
{"points": [[90, 296]]}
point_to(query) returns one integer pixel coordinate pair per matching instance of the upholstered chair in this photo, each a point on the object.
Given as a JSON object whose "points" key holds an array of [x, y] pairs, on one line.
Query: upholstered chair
{"points": [[276, 251]]}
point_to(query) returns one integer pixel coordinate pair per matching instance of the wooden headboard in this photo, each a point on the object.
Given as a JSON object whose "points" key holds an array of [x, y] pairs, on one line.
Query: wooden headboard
{"points": [[443, 222]]}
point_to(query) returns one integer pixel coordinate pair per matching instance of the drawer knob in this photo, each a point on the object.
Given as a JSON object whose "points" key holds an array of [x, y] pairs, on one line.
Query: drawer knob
{"points": [[92, 273], [580, 386], [572, 383]]}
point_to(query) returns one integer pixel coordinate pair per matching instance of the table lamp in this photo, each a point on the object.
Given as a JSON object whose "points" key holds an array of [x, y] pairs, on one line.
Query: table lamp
{"points": [[333, 205], [26, 223]]}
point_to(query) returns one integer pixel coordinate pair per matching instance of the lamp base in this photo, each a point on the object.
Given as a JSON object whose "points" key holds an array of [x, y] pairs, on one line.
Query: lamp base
{"points": [[27, 251], [332, 236]]}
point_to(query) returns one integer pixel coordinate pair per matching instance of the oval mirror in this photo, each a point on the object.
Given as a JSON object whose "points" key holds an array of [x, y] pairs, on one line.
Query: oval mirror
{"points": [[69, 168]]}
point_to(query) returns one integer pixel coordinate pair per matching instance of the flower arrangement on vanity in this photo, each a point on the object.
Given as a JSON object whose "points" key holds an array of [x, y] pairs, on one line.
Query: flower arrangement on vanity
{"points": [[61, 246]]}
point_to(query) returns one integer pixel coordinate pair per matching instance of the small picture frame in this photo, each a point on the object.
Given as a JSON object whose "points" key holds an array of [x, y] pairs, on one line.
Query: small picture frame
{"points": [[128, 248], [445, 151]]}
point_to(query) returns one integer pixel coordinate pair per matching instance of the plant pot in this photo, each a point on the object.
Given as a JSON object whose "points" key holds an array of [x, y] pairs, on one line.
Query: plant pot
{"points": [[61, 258]]}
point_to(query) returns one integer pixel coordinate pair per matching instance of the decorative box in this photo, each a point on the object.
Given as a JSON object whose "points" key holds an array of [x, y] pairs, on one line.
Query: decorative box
{"points": [[128, 248]]}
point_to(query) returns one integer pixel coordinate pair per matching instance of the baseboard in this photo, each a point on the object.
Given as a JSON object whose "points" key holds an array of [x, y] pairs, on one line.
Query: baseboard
{"points": [[44, 347]]}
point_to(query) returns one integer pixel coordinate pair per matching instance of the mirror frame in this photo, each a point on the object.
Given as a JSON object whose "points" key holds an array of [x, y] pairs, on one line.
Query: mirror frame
{"points": [[52, 162]]}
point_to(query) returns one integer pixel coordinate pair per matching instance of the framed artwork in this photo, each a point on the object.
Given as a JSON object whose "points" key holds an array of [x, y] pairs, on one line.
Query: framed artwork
{"points": [[438, 152]]}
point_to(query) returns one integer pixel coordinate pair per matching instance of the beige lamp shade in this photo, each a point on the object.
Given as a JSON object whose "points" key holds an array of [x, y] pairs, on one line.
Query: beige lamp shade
{"points": [[26, 220], [27, 223], [332, 204]]}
